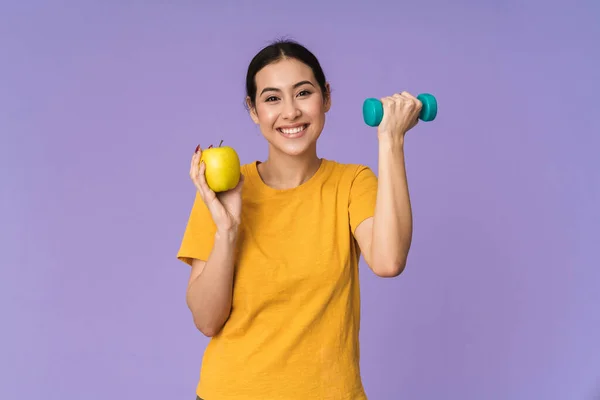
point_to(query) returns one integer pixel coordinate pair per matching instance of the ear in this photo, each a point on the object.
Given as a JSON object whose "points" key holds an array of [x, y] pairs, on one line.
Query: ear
{"points": [[252, 110], [327, 97]]}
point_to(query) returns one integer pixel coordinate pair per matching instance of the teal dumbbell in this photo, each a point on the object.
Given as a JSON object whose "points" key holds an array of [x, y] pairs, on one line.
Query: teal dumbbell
{"points": [[373, 109]]}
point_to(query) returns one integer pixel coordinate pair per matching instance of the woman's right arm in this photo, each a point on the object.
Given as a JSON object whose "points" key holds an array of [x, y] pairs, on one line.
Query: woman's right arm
{"points": [[210, 288]]}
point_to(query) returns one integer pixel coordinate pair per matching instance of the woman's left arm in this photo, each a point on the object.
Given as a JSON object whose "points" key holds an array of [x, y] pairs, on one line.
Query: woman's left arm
{"points": [[385, 238]]}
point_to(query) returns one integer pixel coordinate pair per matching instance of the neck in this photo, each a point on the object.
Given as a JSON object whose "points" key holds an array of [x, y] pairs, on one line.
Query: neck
{"points": [[282, 171]]}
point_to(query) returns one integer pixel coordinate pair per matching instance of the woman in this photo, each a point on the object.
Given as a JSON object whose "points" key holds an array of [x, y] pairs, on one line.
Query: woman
{"points": [[274, 277]]}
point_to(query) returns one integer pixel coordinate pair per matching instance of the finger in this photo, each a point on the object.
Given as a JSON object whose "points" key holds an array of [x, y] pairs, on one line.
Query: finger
{"points": [[204, 188], [194, 161], [196, 173], [409, 102], [400, 100], [199, 175], [402, 97], [193, 165], [406, 98], [388, 102], [412, 98], [196, 156]]}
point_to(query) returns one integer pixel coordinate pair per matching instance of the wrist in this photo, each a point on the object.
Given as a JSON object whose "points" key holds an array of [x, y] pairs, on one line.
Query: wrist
{"points": [[228, 235], [393, 143]]}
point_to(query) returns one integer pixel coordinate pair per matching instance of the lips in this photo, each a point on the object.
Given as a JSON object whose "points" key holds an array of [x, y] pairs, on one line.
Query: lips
{"points": [[293, 131]]}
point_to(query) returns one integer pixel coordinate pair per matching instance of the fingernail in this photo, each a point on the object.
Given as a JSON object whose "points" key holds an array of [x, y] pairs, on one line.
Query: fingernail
{"points": [[197, 148]]}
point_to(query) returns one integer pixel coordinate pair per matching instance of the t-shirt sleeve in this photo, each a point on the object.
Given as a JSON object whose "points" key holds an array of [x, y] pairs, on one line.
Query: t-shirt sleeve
{"points": [[363, 195], [199, 234]]}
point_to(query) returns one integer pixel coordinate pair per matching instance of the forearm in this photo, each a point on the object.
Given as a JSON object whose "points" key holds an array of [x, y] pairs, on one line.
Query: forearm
{"points": [[209, 295], [392, 222]]}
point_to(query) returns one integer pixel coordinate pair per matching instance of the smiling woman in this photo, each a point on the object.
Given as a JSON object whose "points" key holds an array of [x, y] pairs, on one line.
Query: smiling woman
{"points": [[288, 97], [274, 277], [303, 89]]}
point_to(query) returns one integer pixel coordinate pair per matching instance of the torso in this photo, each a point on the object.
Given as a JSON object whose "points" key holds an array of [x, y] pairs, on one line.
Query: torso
{"points": [[293, 328]]}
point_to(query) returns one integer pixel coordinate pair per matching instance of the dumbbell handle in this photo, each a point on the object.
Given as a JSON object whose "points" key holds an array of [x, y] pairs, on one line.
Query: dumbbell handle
{"points": [[373, 109]]}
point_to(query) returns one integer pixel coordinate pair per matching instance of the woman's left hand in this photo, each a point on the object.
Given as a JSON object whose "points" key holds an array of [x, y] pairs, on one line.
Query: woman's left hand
{"points": [[400, 114]]}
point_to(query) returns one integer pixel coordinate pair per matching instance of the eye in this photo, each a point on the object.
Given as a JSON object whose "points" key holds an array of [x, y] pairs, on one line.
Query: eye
{"points": [[271, 98], [304, 93]]}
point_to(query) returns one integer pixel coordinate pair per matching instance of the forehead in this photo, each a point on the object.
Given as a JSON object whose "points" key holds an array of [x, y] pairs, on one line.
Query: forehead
{"points": [[283, 73]]}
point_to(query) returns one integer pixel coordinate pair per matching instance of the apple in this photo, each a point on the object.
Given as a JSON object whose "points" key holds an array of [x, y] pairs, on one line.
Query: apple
{"points": [[222, 167]]}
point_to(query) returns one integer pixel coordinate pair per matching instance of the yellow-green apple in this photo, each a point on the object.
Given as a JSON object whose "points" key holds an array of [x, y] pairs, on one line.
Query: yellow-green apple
{"points": [[222, 167]]}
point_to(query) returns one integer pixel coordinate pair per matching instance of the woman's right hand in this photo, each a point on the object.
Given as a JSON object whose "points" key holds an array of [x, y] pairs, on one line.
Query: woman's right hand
{"points": [[225, 207]]}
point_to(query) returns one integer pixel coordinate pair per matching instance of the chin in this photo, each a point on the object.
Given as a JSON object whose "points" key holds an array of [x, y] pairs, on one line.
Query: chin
{"points": [[291, 149]]}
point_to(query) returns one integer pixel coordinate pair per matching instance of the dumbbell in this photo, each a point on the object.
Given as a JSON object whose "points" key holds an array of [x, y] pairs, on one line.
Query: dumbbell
{"points": [[373, 109]]}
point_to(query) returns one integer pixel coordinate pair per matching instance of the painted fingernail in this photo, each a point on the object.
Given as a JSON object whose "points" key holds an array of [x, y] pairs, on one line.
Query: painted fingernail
{"points": [[197, 148]]}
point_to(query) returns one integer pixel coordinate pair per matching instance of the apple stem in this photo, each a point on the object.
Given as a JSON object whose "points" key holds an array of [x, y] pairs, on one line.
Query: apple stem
{"points": [[221, 143], [210, 147]]}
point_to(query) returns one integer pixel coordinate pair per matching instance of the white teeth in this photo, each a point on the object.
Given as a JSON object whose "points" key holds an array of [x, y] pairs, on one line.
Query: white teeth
{"points": [[293, 130]]}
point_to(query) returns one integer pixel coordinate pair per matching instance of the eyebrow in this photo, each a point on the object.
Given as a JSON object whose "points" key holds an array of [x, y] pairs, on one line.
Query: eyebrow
{"points": [[271, 89]]}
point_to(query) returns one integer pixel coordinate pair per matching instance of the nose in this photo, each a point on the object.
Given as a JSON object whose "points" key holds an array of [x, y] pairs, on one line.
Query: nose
{"points": [[290, 110]]}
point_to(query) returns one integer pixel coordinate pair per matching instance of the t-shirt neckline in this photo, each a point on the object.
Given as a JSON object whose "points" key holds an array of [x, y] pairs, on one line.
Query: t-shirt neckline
{"points": [[258, 182]]}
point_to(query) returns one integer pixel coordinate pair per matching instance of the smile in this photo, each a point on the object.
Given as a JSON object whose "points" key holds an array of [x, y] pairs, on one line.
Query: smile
{"points": [[293, 132]]}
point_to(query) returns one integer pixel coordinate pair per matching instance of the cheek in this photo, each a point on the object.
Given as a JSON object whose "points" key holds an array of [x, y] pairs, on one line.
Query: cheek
{"points": [[315, 110], [266, 115]]}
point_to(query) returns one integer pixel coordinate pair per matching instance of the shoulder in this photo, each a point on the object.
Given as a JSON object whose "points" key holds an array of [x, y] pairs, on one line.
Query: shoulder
{"points": [[250, 172], [351, 171], [248, 168]]}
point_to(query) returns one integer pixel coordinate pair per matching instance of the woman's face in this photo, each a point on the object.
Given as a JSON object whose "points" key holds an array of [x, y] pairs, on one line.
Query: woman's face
{"points": [[289, 107]]}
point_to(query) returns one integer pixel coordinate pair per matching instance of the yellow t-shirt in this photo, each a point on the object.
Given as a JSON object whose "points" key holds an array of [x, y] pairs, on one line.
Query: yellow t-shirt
{"points": [[294, 323]]}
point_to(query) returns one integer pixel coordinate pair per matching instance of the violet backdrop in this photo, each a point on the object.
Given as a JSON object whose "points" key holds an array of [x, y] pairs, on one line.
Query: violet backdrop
{"points": [[103, 103]]}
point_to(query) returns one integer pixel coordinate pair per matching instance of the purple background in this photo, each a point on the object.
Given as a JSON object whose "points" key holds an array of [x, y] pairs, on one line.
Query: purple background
{"points": [[102, 105]]}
